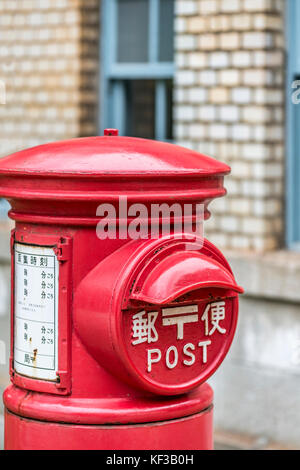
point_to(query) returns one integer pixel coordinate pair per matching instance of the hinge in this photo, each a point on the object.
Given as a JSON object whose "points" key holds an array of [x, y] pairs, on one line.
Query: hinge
{"points": [[63, 249], [11, 367], [63, 383], [12, 241]]}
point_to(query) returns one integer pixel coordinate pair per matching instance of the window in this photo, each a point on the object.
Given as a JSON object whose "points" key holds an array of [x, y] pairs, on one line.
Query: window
{"points": [[137, 67], [293, 126]]}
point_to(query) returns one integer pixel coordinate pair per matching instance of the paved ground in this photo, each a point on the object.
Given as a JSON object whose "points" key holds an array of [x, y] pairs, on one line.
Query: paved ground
{"points": [[225, 440]]}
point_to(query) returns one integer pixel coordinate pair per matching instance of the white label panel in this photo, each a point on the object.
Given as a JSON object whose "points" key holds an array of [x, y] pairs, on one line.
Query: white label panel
{"points": [[36, 312]]}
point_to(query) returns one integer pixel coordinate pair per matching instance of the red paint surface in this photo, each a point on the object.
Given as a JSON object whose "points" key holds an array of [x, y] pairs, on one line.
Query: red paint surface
{"points": [[103, 391], [192, 433], [104, 309], [193, 334]]}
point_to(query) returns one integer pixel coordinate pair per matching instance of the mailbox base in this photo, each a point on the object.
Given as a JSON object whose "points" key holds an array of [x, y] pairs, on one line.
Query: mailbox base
{"points": [[190, 433]]}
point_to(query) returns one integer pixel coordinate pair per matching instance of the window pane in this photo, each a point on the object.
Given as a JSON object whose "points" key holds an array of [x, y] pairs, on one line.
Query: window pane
{"points": [[166, 31], [140, 113], [169, 110], [133, 19]]}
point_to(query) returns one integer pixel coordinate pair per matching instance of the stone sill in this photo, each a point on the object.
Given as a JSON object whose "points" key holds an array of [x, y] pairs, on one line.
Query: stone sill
{"points": [[273, 275], [5, 228]]}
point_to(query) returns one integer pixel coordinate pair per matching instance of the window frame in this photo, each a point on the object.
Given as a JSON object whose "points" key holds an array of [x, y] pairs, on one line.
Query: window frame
{"points": [[112, 108], [293, 136]]}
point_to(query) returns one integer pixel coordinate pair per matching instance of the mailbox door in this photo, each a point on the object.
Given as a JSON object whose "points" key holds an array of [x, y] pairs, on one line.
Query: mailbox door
{"points": [[164, 322]]}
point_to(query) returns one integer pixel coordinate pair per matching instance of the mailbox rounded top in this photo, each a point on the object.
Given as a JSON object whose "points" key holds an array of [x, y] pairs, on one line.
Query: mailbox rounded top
{"points": [[110, 156], [65, 182]]}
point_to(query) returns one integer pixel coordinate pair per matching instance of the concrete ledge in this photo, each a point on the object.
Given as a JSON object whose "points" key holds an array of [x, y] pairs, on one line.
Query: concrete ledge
{"points": [[257, 401], [273, 275]]}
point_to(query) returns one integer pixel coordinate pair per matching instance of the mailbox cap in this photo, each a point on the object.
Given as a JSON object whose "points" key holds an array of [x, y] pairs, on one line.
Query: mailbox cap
{"points": [[180, 273], [110, 156]]}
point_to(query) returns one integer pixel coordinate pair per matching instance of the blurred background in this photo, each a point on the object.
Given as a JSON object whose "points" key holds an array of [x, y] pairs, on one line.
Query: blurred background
{"points": [[218, 76]]}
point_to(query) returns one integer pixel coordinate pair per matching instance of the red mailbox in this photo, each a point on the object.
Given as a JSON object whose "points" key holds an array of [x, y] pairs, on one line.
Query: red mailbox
{"points": [[112, 335]]}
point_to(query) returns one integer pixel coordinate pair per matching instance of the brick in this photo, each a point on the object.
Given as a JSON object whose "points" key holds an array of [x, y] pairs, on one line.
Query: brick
{"points": [[229, 113], [180, 130], [240, 206], [257, 5], [208, 7], [230, 224], [241, 169], [255, 226], [207, 78], [197, 60], [219, 23], [179, 95], [241, 22], [256, 151], [241, 132], [185, 77], [180, 60], [180, 25], [207, 113], [230, 77], [185, 7], [268, 22], [197, 131], [241, 95], [184, 113], [219, 95], [256, 77], [229, 41], [268, 59], [257, 189], [218, 132], [241, 59], [195, 24], [230, 6], [219, 60], [207, 42], [256, 114], [257, 40], [196, 95], [185, 42], [240, 242]]}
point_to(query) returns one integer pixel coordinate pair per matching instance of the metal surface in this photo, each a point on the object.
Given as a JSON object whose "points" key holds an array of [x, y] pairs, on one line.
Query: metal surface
{"points": [[112, 391], [192, 433], [156, 274]]}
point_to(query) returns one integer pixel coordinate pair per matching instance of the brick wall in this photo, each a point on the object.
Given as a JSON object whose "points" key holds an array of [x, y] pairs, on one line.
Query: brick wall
{"points": [[229, 103], [49, 66]]}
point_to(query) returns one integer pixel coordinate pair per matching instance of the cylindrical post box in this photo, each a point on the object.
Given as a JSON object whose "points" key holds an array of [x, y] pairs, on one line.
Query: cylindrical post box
{"points": [[121, 310]]}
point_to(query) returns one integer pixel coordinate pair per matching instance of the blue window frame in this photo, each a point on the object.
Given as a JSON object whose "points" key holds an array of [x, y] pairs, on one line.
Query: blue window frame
{"points": [[293, 126], [137, 67]]}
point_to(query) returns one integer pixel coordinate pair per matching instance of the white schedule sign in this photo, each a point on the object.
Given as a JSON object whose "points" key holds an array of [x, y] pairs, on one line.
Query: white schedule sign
{"points": [[36, 312]]}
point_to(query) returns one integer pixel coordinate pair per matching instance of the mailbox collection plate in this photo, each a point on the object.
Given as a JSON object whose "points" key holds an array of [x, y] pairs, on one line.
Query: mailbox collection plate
{"points": [[40, 322], [177, 343], [36, 312]]}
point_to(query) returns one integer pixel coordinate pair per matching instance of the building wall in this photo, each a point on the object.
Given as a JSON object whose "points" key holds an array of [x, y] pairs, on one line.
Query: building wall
{"points": [[49, 67], [229, 103], [257, 387], [49, 63]]}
